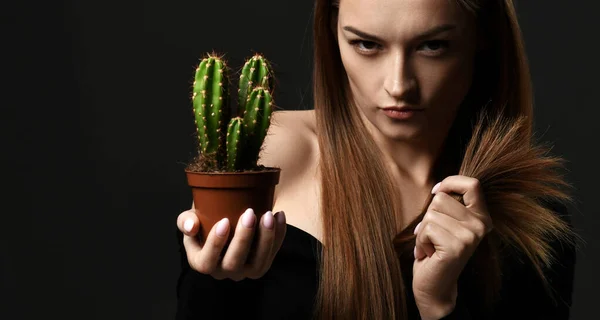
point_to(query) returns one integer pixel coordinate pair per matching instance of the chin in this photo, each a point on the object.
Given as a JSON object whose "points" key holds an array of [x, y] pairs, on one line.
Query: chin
{"points": [[401, 132], [404, 136]]}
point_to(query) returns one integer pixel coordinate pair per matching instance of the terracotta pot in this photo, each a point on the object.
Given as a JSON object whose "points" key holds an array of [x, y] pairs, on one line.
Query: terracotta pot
{"points": [[229, 194]]}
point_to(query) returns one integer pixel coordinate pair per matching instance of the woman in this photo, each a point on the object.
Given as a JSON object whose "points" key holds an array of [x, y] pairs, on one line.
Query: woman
{"points": [[412, 190]]}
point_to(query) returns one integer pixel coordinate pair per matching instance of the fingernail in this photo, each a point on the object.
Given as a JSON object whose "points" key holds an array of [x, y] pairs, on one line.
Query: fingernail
{"points": [[268, 220], [417, 228], [415, 252], [435, 188], [248, 218], [280, 216], [188, 225], [222, 227]]}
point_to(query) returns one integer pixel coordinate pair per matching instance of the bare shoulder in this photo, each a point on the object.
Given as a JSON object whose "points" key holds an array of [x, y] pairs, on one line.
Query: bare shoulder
{"points": [[290, 144]]}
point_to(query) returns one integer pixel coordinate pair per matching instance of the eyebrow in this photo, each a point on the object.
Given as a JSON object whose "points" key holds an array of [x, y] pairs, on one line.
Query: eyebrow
{"points": [[426, 34]]}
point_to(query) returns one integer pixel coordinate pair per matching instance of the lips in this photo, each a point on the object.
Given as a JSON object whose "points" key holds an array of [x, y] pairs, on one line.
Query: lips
{"points": [[404, 108], [401, 113]]}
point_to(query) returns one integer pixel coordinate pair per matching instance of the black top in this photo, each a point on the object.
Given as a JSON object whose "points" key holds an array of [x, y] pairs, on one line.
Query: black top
{"points": [[288, 289]]}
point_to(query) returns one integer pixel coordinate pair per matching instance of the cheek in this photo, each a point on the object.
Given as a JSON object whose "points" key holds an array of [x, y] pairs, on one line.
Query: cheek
{"points": [[358, 72], [446, 87]]}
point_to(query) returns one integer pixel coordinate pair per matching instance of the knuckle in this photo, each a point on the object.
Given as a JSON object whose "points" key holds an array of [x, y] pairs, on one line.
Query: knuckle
{"points": [[204, 266], [475, 184], [230, 266], [428, 228], [437, 200], [479, 230], [443, 196], [430, 215], [470, 239]]}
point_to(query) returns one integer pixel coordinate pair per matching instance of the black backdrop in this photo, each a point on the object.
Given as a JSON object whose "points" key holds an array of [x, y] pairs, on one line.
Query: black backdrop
{"points": [[96, 126]]}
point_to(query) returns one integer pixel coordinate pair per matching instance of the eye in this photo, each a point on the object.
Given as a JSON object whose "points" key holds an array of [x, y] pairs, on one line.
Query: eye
{"points": [[364, 46], [435, 47]]}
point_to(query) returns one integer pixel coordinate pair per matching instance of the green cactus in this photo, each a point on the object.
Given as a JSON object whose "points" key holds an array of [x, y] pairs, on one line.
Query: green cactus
{"points": [[255, 73], [210, 102], [243, 135], [257, 117], [234, 143]]}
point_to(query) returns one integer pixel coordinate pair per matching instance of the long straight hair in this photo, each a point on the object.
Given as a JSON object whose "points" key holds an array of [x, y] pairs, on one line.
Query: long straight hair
{"points": [[364, 256]]}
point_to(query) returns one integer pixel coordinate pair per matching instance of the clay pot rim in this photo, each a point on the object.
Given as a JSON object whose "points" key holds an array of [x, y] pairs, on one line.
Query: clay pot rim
{"points": [[224, 173]]}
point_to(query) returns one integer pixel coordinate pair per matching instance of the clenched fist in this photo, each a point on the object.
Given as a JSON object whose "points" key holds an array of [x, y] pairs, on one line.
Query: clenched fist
{"points": [[445, 240]]}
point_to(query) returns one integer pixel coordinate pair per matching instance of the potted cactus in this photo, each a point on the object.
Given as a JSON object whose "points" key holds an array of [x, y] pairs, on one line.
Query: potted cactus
{"points": [[224, 176]]}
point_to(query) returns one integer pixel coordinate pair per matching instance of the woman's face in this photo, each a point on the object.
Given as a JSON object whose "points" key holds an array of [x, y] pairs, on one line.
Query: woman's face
{"points": [[407, 53]]}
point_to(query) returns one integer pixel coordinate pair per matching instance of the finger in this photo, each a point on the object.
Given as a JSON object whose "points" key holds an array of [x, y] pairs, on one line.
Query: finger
{"points": [[237, 252], [442, 219], [422, 250], [192, 247], [443, 202], [280, 231], [188, 223], [478, 223], [261, 257], [206, 261], [434, 239], [469, 188], [467, 232]]}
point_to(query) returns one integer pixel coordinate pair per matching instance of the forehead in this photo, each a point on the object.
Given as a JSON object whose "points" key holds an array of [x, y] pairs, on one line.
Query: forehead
{"points": [[398, 18]]}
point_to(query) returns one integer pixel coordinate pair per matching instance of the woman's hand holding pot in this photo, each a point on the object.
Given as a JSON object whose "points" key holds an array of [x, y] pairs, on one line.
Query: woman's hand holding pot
{"points": [[241, 259]]}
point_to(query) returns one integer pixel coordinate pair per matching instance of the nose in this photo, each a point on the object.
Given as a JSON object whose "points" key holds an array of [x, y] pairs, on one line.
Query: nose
{"points": [[400, 82]]}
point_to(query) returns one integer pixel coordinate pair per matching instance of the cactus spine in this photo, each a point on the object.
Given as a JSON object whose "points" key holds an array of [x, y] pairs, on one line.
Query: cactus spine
{"points": [[243, 135]]}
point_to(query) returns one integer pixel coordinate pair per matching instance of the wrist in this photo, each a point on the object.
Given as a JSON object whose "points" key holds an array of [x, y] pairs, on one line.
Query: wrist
{"points": [[437, 304], [435, 311], [436, 307]]}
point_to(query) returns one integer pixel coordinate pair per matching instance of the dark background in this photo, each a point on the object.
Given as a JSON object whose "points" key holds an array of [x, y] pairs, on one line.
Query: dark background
{"points": [[96, 126]]}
